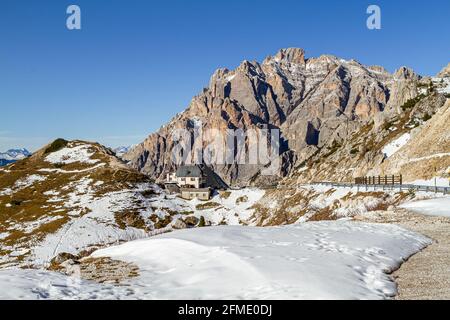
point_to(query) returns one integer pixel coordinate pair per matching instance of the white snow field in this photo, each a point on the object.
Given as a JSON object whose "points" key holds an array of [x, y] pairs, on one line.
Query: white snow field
{"points": [[439, 181], [35, 284], [70, 155], [432, 207], [315, 260], [396, 145]]}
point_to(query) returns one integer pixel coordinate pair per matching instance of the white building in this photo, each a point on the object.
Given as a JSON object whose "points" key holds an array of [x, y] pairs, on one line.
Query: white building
{"points": [[190, 181]]}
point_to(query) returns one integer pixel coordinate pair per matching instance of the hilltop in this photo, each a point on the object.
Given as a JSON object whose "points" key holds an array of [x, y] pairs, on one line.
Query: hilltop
{"points": [[71, 197]]}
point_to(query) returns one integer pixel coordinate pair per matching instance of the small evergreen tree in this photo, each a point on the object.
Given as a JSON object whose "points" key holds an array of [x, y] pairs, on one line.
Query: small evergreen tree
{"points": [[202, 222]]}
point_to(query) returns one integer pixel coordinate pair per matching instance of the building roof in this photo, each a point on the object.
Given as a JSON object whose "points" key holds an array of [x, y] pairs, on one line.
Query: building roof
{"points": [[213, 179], [189, 171]]}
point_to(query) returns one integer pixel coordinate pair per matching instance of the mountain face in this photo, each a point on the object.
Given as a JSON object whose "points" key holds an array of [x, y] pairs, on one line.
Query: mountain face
{"points": [[445, 72], [13, 155], [318, 104]]}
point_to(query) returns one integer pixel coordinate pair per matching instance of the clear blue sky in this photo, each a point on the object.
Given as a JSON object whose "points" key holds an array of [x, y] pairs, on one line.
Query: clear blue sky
{"points": [[136, 63]]}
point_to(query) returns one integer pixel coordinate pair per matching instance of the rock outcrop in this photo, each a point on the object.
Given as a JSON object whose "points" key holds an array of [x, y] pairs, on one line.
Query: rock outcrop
{"points": [[444, 72]]}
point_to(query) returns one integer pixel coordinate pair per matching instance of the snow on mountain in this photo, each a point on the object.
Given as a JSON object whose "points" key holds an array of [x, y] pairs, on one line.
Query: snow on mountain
{"points": [[74, 196], [120, 151], [438, 181], [396, 145], [322, 260], [15, 154], [442, 84], [68, 155], [67, 197]]}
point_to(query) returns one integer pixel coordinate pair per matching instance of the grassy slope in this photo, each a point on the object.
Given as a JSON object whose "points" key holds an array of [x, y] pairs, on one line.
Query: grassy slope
{"points": [[27, 216]]}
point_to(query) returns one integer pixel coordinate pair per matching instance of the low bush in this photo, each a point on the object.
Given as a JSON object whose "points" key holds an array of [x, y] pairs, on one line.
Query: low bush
{"points": [[207, 205], [202, 222], [241, 199], [56, 145], [426, 117], [411, 103]]}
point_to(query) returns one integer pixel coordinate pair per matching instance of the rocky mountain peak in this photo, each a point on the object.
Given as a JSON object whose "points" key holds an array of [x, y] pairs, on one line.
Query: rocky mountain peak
{"points": [[316, 103], [291, 55], [378, 69], [445, 72], [405, 73]]}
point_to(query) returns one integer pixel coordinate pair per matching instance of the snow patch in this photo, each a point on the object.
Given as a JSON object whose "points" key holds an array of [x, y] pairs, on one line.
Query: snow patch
{"points": [[4, 235], [439, 182], [320, 260], [323, 260], [70, 155], [396, 145], [229, 78], [28, 181], [433, 207]]}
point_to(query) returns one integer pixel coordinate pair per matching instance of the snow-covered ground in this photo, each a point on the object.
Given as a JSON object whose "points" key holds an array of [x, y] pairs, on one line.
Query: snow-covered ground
{"points": [[98, 226], [433, 207], [232, 208], [72, 154], [349, 205], [396, 145], [317, 260], [440, 182], [443, 84], [34, 284]]}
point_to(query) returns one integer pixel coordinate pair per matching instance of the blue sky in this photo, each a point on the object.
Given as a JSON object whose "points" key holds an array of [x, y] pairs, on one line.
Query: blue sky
{"points": [[136, 63]]}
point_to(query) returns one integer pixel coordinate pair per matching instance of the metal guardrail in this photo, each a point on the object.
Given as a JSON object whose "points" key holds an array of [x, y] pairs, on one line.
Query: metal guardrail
{"points": [[437, 189]]}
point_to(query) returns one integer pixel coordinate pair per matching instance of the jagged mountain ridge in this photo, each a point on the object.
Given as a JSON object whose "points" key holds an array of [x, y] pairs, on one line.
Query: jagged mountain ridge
{"points": [[315, 102]]}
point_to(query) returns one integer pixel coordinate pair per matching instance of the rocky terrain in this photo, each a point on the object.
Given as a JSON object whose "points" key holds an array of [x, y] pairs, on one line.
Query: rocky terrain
{"points": [[335, 117], [424, 276]]}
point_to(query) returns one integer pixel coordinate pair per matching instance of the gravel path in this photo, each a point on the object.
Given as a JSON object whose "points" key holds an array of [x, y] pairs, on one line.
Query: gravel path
{"points": [[426, 275]]}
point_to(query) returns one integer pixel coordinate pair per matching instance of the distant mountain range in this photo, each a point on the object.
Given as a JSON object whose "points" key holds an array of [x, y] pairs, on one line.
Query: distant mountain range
{"points": [[120, 151], [13, 155]]}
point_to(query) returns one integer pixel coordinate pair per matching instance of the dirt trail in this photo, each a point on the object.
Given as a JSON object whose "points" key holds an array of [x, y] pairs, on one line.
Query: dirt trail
{"points": [[426, 275]]}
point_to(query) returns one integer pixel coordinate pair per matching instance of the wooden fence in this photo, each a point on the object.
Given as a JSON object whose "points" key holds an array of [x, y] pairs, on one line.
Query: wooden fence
{"points": [[380, 180], [385, 183]]}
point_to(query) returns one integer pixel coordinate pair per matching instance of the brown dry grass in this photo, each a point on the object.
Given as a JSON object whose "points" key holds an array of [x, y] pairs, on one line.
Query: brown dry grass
{"points": [[29, 204]]}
